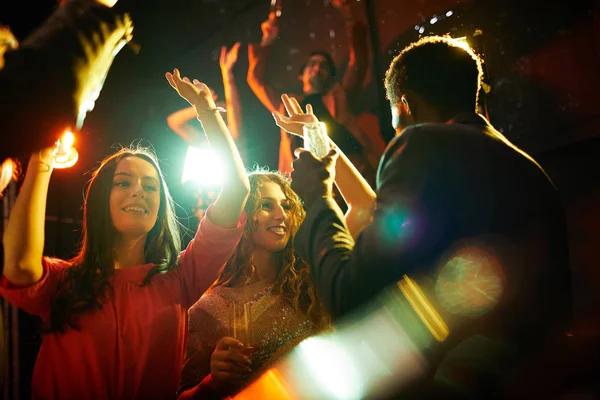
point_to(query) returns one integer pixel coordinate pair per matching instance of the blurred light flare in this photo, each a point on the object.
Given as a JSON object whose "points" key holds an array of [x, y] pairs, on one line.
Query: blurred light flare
{"points": [[471, 282], [423, 307], [399, 226], [271, 385], [202, 166], [65, 155], [9, 171], [331, 367], [369, 355]]}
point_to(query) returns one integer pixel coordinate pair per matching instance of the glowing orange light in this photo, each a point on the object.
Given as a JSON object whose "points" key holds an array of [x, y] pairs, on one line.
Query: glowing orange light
{"points": [[65, 155], [270, 385], [8, 171]]}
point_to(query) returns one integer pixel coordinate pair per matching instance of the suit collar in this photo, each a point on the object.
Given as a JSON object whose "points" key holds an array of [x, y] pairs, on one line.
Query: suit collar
{"points": [[469, 119]]}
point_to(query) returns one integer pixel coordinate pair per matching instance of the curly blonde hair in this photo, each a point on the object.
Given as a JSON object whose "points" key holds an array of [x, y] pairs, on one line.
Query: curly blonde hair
{"points": [[293, 281]]}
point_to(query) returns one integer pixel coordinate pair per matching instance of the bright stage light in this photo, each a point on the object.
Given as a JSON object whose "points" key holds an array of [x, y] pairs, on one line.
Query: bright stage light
{"points": [[202, 166]]}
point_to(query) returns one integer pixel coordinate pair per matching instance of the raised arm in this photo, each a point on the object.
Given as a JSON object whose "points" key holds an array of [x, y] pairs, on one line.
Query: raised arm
{"points": [[179, 122], [257, 65], [24, 235], [358, 53], [229, 205], [407, 228], [356, 191], [232, 97]]}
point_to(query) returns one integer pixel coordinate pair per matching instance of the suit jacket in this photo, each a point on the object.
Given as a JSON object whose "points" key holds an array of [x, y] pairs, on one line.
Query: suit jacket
{"points": [[48, 84], [439, 187]]}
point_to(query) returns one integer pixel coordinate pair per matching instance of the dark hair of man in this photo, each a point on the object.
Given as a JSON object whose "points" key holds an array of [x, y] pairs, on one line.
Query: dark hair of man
{"points": [[328, 59], [444, 72]]}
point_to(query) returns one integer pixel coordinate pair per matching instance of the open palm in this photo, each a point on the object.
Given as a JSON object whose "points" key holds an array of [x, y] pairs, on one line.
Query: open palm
{"points": [[196, 93], [297, 118]]}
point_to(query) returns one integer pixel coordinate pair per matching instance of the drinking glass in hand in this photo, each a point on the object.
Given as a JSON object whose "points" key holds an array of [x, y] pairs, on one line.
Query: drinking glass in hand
{"points": [[241, 326], [316, 140]]}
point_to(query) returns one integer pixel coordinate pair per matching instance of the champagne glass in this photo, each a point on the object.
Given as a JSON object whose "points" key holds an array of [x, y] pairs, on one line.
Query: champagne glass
{"points": [[241, 326], [316, 139]]}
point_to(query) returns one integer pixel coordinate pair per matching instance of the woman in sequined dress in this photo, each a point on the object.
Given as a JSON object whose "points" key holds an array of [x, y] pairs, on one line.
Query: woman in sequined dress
{"points": [[265, 273]]}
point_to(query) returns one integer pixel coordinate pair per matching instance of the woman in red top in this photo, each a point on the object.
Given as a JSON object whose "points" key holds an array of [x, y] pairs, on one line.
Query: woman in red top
{"points": [[116, 315]]}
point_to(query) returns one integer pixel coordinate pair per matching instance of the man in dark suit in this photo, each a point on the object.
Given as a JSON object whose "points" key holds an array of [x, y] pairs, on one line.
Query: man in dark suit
{"points": [[450, 188]]}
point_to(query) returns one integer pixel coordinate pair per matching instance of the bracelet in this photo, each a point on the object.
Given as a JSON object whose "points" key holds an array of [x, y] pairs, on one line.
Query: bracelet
{"points": [[214, 109]]}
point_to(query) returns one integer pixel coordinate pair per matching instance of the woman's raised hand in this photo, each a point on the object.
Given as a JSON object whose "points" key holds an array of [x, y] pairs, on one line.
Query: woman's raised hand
{"points": [[297, 118], [196, 93]]}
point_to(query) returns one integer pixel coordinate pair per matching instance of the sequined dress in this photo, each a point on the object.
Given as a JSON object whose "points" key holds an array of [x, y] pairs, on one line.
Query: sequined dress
{"points": [[276, 328]]}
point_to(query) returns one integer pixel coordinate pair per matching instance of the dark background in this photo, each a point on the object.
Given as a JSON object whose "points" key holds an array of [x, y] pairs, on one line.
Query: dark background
{"points": [[542, 60]]}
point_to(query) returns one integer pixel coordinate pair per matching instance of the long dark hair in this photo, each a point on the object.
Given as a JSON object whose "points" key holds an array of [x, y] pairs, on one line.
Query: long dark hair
{"points": [[87, 281], [294, 283]]}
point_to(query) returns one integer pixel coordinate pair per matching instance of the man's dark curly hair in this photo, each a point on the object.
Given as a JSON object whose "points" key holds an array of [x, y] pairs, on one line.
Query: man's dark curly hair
{"points": [[444, 72]]}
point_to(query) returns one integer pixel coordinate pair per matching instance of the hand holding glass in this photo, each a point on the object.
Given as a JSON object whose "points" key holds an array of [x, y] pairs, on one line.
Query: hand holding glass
{"points": [[304, 124]]}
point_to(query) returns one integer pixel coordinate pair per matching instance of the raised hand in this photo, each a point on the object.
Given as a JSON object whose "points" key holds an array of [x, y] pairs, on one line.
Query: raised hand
{"points": [[228, 58], [270, 30], [297, 118], [196, 93]]}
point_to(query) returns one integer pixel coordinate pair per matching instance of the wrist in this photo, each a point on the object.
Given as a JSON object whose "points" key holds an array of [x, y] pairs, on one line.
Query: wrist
{"points": [[207, 108], [326, 191], [227, 76], [311, 200], [38, 164], [209, 115], [210, 383], [206, 389], [266, 42]]}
